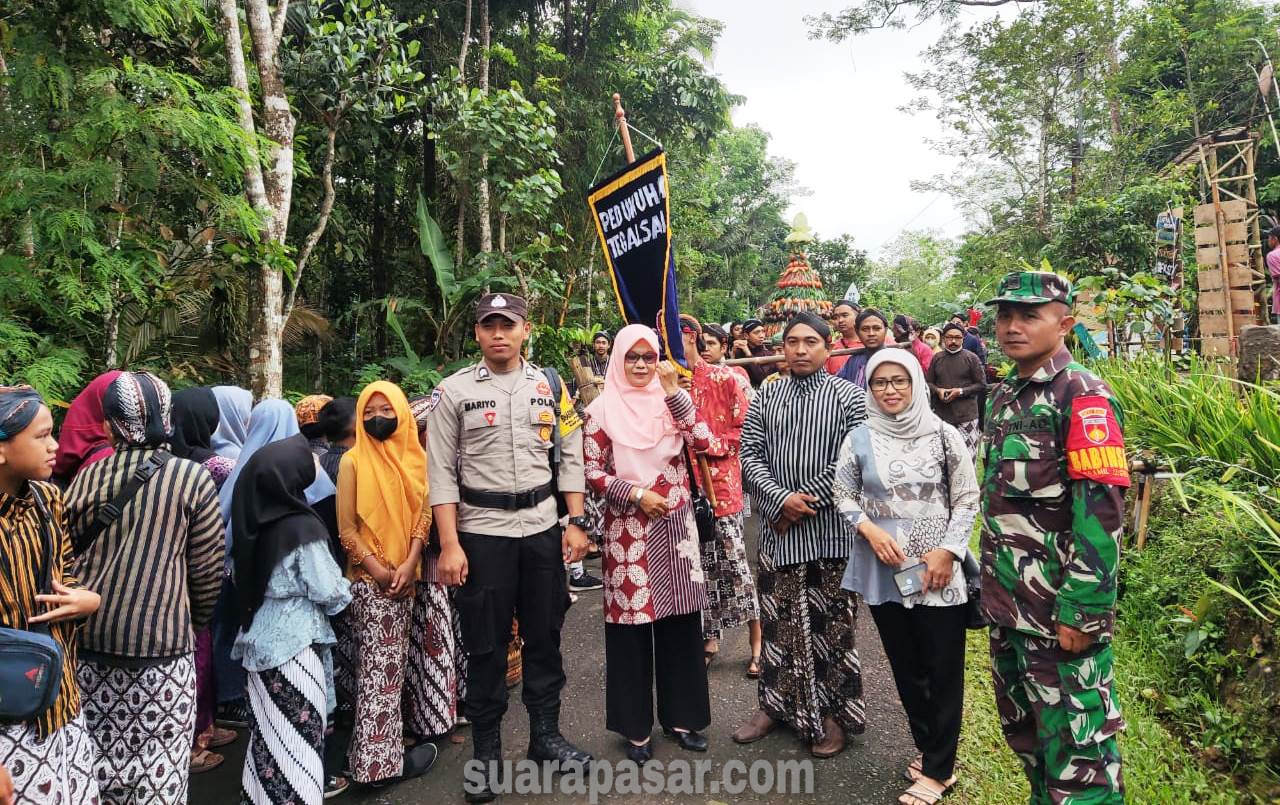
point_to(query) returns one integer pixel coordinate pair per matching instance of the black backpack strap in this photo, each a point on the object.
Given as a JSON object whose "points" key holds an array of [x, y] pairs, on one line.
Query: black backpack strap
{"points": [[44, 584], [110, 512], [553, 455]]}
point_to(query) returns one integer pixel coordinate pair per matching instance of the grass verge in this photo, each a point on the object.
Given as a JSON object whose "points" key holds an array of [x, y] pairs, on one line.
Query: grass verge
{"points": [[1157, 767]]}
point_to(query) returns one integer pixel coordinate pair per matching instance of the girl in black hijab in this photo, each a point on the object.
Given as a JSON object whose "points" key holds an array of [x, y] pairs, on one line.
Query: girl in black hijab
{"points": [[195, 419], [287, 585]]}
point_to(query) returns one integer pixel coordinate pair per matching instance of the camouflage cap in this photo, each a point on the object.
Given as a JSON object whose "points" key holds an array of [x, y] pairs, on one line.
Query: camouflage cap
{"points": [[1034, 288]]}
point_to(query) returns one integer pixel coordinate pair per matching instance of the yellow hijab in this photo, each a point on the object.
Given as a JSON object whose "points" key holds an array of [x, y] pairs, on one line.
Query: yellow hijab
{"points": [[391, 477]]}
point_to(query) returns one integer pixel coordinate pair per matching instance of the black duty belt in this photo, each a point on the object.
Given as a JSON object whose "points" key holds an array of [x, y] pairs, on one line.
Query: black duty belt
{"points": [[506, 500]]}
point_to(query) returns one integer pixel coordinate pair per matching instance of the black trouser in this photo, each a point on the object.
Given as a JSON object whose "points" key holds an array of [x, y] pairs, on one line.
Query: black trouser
{"points": [[521, 577], [925, 646], [671, 651]]}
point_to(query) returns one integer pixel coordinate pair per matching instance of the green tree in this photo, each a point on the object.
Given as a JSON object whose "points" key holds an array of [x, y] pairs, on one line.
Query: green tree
{"points": [[116, 179]]}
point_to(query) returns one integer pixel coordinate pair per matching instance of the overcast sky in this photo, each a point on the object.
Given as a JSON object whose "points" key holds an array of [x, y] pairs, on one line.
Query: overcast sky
{"points": [[833, 110]]}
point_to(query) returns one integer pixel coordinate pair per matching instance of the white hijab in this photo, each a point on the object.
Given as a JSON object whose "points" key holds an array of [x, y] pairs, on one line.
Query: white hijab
{"points": [[918, 418]]}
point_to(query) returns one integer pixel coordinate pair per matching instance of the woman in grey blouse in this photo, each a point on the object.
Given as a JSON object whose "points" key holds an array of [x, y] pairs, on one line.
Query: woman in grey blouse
{"points": [[905, 483]]}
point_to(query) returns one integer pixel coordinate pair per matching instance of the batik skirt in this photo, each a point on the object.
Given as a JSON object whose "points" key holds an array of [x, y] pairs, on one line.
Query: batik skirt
{"points": [[731, 592], [287, 708], [431, 677], [56, 771], [971, 433], [809, 667], [593, 507], [142, 721]]}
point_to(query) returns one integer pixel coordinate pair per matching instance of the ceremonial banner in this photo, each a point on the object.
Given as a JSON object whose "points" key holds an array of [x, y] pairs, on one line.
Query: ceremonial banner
{"points": [[632, 213]]}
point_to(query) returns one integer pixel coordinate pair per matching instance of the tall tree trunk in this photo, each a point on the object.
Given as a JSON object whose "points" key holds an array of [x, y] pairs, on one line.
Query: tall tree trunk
{"points": [[1113, 103], [322, 222], [377, 256], [271, 193], [266, 350], [460, 247], [428, 178], [482, 189], [111, 358], [1042, 169], [566, 34], [1191, 90], [466, 42]]}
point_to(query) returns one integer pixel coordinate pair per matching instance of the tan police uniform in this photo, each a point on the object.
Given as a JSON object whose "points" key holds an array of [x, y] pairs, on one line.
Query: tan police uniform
{"points": [[490, 438], [501, 438]]}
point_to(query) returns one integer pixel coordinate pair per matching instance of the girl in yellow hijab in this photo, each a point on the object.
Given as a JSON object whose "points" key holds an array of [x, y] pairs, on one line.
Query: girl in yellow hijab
{"points": [[383, 521]]}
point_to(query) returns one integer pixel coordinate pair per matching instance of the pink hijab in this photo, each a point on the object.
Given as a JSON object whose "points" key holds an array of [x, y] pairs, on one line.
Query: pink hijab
{"points": [[83, 438], [645, 437]]}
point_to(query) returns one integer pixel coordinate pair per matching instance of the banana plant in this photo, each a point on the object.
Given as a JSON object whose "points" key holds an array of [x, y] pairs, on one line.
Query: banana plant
{"points": [[455, 295]]}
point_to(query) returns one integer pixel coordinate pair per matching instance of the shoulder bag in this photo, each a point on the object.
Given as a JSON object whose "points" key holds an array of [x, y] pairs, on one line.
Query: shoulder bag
{"points": [[30, 659]]}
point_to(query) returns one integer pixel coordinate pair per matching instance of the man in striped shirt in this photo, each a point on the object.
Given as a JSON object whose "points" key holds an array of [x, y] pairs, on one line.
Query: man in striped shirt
{"points": [[810, 673]]}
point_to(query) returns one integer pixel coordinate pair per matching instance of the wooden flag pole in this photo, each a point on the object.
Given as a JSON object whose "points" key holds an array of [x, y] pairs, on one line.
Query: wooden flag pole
{"points": [[835, 353], [623, 128]]}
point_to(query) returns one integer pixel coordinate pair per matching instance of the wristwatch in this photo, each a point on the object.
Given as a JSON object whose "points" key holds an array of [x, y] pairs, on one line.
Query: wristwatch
{"points": [[581, 521]]}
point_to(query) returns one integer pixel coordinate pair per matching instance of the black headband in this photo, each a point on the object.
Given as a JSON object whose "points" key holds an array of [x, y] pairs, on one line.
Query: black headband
{"points": [[868, 313], [951, 325], [810, 319], [751, 324]]}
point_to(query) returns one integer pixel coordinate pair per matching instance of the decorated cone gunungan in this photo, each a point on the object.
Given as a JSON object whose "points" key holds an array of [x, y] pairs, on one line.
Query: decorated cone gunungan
{"points": [[799, 287]]}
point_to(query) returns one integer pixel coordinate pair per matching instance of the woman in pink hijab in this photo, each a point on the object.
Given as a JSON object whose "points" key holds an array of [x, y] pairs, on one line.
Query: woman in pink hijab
{"points": [[83, 438], [635, 434]]}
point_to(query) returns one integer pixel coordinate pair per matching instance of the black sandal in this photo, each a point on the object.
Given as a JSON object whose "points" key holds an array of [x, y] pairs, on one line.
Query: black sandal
{"points": [[753, 667]]}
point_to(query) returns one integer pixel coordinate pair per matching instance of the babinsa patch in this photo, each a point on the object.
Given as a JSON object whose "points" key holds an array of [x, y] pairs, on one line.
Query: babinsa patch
{"points": [[1095, 445]]}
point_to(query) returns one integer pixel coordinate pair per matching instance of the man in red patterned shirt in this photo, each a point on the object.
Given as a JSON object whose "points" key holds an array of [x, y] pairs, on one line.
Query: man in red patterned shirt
{"points": [[731, 591]]}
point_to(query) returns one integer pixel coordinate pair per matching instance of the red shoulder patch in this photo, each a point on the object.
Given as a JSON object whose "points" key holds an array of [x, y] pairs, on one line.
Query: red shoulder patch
{"points": [[1095, 445]]}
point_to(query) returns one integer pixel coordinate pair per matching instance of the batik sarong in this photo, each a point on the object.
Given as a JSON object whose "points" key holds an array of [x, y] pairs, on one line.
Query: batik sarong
{"points": [[431, 681], [56, 771], [142, 721], [971, 434], [809, 667], [380, 627], [284, 764], [731, 591]]}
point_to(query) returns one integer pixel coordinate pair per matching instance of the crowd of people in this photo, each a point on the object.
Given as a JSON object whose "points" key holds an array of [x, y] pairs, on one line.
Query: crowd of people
{"points": [[341, 577]]}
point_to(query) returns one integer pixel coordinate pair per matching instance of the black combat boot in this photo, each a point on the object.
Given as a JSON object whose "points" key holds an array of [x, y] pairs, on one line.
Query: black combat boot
{"points": [[547, 744], [487, 748]]}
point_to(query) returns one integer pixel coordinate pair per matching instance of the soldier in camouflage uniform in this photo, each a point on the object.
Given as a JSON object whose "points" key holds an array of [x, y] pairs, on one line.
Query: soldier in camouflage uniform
{"points": [[1052, 512]]}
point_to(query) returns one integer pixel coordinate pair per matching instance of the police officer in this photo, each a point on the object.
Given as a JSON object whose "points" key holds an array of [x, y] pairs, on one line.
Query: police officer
{"points": [[490, 439], [1052, 512]]}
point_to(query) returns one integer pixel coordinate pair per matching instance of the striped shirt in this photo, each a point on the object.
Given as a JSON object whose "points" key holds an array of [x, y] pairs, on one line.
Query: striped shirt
{"points": [[22, 542], [158, 566], [791, 443]]}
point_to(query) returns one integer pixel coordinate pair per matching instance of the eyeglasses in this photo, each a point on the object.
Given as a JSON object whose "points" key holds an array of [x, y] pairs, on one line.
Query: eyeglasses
{"points": [[882, 383], [645, 358]]}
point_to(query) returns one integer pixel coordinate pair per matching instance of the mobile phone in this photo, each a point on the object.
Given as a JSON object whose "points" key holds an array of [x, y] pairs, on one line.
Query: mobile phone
{"points": [[910, 580]]}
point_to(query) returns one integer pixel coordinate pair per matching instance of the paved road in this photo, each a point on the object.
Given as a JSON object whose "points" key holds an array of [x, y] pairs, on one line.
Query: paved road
{"points": [[869, 771]]}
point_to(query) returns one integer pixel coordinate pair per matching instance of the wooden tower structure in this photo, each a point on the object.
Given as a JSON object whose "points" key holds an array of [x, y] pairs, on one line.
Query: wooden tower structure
{"points": [[1228, 233]]}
